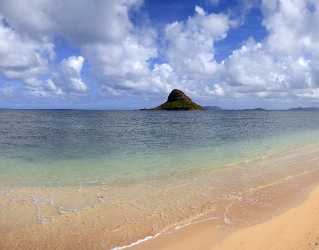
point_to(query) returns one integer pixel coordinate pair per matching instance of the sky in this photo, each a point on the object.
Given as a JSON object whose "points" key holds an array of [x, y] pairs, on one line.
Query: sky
{"points": [[127, 54]]}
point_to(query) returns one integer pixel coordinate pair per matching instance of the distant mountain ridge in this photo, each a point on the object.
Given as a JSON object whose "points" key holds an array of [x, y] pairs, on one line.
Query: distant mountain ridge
{"points": [[304, 109], [212, 108], [262, 109]]}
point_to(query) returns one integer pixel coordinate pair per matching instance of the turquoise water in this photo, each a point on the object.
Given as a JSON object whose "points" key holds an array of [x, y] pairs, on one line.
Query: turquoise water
{"points": [[62, 148]]}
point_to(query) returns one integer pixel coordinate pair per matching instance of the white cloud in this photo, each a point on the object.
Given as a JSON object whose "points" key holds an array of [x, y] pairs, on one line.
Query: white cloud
{"points": [[291, 25], [28, 60], [216, 90], [200, 11], [125, 58], [285, 64], [20, 57], [129, 65], [190, 49], [71, 73], [122, 62], [67, 79], [101, 29], [251, 70], [79, 21], [52, 87], [6, 91]]}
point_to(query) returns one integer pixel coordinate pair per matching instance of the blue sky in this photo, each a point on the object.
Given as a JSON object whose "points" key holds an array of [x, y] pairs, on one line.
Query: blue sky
{"points": [[121, 54]]}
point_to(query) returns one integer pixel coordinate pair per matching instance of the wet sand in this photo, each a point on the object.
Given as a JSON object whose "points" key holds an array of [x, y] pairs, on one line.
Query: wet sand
{"points": [[253, 205], [296, 228], [289, 222]]}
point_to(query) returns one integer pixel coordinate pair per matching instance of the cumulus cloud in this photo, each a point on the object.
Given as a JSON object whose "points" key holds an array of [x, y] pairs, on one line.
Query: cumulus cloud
{"points": [[22, 58], [125, 67], [124, 64], [70, 75], [285, 63], [64, 80], [252, 70], [190, 46], [101, 29], [126, 58], [25, 59], [79, 21]]}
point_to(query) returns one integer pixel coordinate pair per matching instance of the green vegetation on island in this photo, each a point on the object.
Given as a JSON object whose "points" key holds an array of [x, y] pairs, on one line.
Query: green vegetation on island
{"points": [[177, 100]]}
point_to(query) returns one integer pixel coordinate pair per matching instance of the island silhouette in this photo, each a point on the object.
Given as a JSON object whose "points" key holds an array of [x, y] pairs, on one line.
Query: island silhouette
{"points": [[178, 100]]}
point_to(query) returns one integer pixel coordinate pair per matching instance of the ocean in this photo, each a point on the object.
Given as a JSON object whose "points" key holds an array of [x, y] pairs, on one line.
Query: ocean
{"points": [[62, 147]]}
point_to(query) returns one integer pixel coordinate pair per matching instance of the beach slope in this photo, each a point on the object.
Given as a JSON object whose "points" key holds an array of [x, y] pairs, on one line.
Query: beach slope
{"points": [[295, 229], [298, 228]]}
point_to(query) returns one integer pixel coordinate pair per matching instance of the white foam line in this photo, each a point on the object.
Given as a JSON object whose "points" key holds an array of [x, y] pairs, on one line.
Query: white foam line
{"points": [[176, 228], [63, 210], [137, 242]]}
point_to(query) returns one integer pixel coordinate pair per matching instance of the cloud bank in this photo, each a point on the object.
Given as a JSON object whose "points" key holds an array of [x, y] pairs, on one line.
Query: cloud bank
{"points": [[127, 58]]}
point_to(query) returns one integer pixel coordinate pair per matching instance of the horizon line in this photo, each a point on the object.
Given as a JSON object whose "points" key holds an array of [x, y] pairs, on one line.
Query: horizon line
{"points": [[213, 108]]}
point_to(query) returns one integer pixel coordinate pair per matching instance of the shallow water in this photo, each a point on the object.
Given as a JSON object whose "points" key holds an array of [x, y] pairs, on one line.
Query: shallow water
{"points": [[47, 148]]}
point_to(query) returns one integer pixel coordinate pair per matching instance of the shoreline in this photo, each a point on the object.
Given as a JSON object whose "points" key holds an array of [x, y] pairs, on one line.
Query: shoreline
{"points": [[208, 235], [297, 228], [262, 192]]}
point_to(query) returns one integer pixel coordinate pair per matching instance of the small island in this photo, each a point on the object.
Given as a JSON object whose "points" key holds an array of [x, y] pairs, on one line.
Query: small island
{"points": [[178, 100]]}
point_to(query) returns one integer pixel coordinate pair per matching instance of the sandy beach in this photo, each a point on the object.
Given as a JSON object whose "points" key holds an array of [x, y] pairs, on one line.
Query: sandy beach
{"points": [[272, 209], [296, 228]]}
